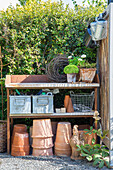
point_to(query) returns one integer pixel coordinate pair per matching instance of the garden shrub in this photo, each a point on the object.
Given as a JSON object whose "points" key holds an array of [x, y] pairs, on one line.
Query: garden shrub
{"points": [[36, 31]]}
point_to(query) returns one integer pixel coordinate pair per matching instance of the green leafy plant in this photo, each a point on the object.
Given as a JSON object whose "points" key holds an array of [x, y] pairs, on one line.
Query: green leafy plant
{"points": [[97, 153], [71, 69]]}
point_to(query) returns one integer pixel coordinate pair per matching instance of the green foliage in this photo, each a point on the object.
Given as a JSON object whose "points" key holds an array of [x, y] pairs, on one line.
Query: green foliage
{"points": [[32, 34], [71, 69], [36, 31], [95, 152]]}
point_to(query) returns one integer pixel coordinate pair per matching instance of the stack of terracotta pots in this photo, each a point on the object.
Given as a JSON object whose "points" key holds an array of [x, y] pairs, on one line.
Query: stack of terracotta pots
{"points": [[20, 141], [64, 133], [42, 138]]}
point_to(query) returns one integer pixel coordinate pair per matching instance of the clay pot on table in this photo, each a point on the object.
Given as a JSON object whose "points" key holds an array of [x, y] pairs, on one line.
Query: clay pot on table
{"points": [[62, 146]]}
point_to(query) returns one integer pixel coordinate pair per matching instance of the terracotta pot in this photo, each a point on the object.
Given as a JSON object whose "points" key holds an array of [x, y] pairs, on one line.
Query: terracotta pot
{"points": [[66, 101], [19, 153], [87, 136], [42, 143], [70, 106], [87, 74], [42, 128], [64, 133], [20, 146], [62, 146], [62, 152], [21, 139], [18, 128], [42, 152]]}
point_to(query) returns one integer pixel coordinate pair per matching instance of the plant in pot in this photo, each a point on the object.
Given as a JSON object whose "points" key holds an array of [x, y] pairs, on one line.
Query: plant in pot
{"points": [[73, 68]]}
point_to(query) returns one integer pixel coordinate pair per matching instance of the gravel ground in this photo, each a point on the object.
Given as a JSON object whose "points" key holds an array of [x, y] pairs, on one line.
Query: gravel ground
{"points": [[8, 162]]}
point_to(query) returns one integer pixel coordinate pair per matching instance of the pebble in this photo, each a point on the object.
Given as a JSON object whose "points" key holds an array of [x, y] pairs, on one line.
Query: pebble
{"points": [[8, 162]]}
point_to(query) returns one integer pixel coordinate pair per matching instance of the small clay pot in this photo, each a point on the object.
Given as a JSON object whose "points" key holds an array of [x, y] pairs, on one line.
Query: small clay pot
{"points": [[70, 106], [66, 101], [42, 143], [42, 152], [42, 128]]}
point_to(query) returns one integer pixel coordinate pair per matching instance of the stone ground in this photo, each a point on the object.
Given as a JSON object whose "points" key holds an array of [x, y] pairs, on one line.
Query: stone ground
{"points": [[8, 162]]}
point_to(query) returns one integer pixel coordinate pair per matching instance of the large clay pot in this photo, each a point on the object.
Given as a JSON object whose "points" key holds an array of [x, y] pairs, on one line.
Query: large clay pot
{"points": [[42, 152], [42, 143], [42, 137], [42, 128], [20, 145], [62, 146]]}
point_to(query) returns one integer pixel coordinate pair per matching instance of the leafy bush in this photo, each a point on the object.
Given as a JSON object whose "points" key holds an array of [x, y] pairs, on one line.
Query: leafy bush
{"points": [[32, 34]]}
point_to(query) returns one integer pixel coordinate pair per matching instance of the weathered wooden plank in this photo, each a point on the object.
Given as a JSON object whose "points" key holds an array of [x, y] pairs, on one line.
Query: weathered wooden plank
{"points": [[104, 80]]}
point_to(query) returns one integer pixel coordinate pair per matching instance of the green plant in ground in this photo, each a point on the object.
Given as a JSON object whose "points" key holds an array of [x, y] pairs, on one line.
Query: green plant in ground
{"points": [[97, 153]]}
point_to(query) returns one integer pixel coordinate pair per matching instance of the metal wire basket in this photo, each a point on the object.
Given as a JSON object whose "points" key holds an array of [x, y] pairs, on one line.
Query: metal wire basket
{"points": [[82, 102]]}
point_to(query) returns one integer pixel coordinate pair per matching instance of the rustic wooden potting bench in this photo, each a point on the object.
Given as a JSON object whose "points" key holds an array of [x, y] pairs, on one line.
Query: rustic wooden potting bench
{"points": [[41, 82]]}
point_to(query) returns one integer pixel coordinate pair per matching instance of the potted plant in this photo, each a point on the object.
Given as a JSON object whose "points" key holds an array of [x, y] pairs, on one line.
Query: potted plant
{"points": [[72, 69]]}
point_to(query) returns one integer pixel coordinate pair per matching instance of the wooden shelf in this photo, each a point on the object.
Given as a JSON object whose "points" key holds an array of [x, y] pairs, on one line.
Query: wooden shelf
{"points": [[42, 82], [52, 85], [54, 115]]}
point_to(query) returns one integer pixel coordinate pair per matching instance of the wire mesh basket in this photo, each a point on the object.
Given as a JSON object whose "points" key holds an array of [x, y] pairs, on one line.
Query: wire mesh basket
{"points": [[82, 102]]}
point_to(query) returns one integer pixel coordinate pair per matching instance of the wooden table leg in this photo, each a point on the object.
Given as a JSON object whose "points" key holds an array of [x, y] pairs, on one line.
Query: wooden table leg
{"points": [[8, 124], [11, 124], [95, 99]]}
